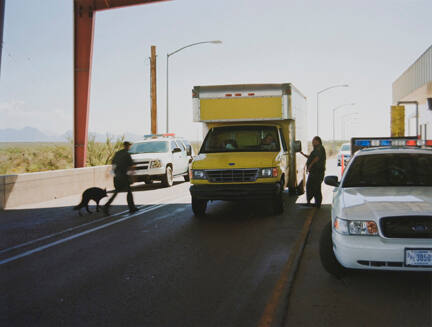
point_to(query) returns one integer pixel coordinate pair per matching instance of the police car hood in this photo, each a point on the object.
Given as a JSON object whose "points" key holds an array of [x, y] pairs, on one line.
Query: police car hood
{"points": [[375, 202]]}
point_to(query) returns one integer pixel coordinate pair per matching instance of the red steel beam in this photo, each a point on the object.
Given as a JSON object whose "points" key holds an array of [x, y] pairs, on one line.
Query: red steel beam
{"points": [[84, 18]]}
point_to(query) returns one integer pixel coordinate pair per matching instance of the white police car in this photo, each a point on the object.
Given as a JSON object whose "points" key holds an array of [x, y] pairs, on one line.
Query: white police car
{"points": [[382, 209]]}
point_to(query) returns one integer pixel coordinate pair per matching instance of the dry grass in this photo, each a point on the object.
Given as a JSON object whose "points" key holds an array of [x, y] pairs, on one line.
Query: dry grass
{"points": [[18, 158]]}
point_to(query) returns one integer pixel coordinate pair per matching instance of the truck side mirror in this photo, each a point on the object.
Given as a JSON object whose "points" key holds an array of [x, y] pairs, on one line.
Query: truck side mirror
{"points": [[297, 146], [176, 150], [331, 180]]}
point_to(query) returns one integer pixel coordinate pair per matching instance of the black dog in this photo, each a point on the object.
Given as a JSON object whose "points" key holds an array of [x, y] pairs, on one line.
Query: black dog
{"points": [[92, 193]]}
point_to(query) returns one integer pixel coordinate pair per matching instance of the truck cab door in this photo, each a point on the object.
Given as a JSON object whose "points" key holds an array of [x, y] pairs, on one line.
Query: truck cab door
{"points": [[284, 156]]}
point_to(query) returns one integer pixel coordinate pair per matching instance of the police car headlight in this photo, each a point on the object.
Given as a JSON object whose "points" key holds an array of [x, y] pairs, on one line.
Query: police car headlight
{"points": [[355, 227], [198, 174], [155, 164]]}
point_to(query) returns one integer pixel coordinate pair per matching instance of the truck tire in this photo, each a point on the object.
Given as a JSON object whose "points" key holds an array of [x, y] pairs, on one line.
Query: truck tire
{"points": [[277, 202], [168, 178], [327, 256], [199, 207], [186, 176]]}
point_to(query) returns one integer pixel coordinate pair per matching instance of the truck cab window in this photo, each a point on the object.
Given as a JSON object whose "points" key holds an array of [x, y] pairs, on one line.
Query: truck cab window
{"points": [[241, 139]]}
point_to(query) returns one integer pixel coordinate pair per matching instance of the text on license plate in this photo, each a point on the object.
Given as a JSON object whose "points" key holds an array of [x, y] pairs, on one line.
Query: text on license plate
{"points": [[418, 257]]}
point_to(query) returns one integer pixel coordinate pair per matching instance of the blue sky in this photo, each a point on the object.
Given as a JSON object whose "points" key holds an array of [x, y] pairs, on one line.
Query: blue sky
{"points": [[312, 44]]}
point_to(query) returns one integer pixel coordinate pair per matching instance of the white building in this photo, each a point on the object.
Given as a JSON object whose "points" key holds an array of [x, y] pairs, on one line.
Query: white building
{"points": [[414, 88]]}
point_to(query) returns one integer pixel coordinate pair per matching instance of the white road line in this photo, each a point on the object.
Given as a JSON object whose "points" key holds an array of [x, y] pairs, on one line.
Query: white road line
{"points": [[46, 246], [74, 228]]}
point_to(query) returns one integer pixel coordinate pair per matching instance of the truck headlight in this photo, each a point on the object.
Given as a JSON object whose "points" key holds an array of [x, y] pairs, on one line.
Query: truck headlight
{"points": [[155, 164], [268, 172], [198, 174], [355, 227]]}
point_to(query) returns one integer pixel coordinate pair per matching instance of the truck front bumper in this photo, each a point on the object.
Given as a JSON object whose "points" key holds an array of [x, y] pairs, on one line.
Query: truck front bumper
{"points": [[234, 192]]}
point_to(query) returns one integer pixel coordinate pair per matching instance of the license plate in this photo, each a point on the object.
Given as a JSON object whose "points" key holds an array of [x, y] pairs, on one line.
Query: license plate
{"points": [[418, 257]]}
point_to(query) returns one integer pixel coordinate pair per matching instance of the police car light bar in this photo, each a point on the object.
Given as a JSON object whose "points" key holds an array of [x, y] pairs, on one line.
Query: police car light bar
{"points": [[358, 143]]}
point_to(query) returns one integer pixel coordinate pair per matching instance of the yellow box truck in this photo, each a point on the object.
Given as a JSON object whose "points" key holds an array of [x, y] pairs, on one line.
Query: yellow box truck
{"points": [[253, 134]]}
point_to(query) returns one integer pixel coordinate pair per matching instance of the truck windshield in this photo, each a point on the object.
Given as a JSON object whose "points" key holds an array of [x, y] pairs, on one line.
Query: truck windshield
{"points": [[241, 139], [149, 147], [390, 170]]}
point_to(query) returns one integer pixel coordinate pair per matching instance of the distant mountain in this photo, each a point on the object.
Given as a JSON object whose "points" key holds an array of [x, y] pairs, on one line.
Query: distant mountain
{"points": [[26, 134], [31, 134]]}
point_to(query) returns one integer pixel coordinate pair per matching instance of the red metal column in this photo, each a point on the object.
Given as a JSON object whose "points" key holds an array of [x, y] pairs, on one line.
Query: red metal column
{"points": [[83, 39], [84, 11]]}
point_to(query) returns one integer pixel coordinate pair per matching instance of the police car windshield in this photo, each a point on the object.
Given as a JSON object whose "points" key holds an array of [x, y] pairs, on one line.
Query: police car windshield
{"points": [[149, 147], [241, 139], [387, 169]]}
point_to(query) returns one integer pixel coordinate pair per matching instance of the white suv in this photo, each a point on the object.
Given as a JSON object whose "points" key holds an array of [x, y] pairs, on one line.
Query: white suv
{"points": [[160, 157]]}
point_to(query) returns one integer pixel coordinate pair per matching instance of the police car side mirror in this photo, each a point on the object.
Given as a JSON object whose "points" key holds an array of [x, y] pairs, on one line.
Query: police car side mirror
{"points": [[331, 180], [176, 150], [297, 146]]}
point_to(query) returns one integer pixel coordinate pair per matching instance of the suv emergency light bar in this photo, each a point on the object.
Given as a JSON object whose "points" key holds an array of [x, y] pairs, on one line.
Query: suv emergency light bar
{"points": [[358, 143], [153, 136]]}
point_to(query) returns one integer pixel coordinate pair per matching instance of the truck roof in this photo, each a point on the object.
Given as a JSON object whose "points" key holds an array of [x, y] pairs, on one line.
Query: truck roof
{"points": [[246, 87]]}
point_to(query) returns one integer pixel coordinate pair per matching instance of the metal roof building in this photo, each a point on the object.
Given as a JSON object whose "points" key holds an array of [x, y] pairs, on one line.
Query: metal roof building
{"points": [[415, 86]]}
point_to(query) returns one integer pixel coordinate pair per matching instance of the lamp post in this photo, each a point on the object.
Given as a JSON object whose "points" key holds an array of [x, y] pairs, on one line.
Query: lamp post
{"points": [[318, 93], [334, 110], [172, 53], [343, 121]]}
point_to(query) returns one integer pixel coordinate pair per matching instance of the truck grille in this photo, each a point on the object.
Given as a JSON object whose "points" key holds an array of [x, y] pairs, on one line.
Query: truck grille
{"points": [[407, 227], [232, 175], [141, 165]]}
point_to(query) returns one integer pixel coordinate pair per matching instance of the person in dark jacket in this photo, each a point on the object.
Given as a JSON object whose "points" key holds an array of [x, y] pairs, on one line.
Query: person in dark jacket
{"points": [[315, 165], [122, 164]]}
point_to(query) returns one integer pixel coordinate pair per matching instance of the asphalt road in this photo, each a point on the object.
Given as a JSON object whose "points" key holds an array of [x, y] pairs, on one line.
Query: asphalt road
{"points": [[163, 267], [158, 267]]}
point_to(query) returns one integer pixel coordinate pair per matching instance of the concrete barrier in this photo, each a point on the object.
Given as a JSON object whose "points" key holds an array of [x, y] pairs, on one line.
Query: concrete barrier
{"points": [[48, 185]]}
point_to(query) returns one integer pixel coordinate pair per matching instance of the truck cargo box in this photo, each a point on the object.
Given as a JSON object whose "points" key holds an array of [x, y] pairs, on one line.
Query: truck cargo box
{"points": [[245, 102]]}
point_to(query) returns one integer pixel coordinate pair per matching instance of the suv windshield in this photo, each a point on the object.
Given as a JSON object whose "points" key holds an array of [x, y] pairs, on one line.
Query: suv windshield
{"points": [[390, 170], [346, 147], [149, 147], [241, 139]]}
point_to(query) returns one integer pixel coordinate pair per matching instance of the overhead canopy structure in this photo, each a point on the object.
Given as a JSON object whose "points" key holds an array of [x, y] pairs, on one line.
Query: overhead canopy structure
{"points": [[414, 87], [84, 15]]}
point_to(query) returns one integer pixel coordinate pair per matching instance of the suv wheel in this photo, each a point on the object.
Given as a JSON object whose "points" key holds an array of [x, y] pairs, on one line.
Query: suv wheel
{"points": [[186, 176], [167, 180], [148, 180], [199, 207]]}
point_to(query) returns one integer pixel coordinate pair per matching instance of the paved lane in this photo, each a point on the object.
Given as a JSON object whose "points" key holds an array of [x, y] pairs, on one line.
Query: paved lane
{"points": [[159, 268]]}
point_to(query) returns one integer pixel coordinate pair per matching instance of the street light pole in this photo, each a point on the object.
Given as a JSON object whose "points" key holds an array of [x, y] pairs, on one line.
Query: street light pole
{"points": [[167, 67], [334, 110], [318, 93], [343, 121]]}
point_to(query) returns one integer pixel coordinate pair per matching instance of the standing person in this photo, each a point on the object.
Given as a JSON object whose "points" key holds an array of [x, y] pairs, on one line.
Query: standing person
{"points": [[315, 166], [122, 163]]}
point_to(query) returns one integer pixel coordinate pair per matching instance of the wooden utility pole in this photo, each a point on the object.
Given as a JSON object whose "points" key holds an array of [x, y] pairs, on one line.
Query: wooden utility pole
{"points": [[153, 90]]}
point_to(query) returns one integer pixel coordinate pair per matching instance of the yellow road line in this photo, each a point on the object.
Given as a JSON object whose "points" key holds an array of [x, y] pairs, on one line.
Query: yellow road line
{"points": [[286, 276]]}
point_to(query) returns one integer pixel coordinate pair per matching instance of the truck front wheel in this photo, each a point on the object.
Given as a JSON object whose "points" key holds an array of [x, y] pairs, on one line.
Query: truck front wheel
{"points": [[199, 207], [277, 202]]}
